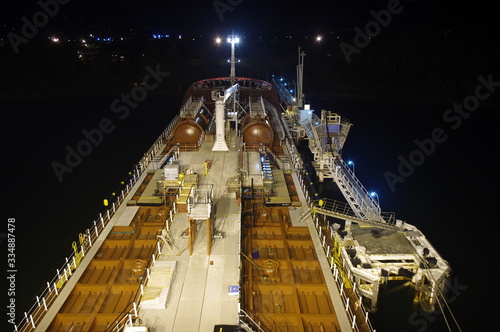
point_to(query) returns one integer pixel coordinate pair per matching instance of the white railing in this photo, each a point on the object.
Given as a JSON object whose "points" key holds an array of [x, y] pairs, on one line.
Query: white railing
{"points": [[305, 184], [49, 293], [355, 193], [128, 318], [185, 106], [275, 118], [199, 104], [325, 239], [188, 103], [244, 317]]}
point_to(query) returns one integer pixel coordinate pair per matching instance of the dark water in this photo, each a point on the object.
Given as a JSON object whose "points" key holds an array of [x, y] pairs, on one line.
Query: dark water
{"points": [[51, 213], [449, 195]]}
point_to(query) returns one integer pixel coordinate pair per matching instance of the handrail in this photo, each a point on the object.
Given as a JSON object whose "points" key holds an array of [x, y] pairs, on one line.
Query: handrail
{"points": [[123, 314], [363, 203], [337, 268], [339, 282], [275, 118], [186, 106], [48, 294], [133, 312], [252, 321], [298, 165], [342, 210], [283, 92]]}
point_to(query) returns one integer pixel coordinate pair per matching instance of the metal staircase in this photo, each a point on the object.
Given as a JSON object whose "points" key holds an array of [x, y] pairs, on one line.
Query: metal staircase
{"points": [[358, 198], [199, 202], [326, 139], [341, 210]]}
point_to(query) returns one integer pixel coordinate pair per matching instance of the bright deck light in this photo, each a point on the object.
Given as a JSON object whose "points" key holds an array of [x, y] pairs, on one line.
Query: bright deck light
{"points": [[351, 163]]}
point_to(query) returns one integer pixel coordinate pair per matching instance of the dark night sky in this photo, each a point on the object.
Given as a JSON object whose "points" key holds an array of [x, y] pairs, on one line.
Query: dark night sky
{"points": [[201, 16]]}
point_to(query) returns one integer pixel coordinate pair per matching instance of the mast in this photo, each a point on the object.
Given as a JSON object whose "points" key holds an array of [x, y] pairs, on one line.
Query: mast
{"points": [[233, 39], [300, 79]]}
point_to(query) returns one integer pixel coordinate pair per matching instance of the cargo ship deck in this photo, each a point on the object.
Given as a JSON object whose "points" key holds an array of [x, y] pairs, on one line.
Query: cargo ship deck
{"points": [[222, 242]]}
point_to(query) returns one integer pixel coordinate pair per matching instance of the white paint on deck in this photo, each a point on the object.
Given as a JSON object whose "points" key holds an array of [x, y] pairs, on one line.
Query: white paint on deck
{"points": [[199, 297]]}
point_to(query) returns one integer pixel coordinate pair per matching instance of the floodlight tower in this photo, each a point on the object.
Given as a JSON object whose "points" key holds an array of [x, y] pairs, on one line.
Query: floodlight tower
{"points": [[233, 39]]}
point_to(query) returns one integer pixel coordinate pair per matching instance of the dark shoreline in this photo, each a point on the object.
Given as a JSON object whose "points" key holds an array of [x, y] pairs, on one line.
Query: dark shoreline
{"points": [[446, 100]]}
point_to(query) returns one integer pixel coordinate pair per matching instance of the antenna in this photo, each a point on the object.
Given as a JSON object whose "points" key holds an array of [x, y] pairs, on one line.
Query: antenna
{"points": [[300, 79]]}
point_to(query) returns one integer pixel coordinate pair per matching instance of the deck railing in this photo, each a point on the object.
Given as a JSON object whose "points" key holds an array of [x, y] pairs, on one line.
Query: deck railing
{"points": [[357, 314], [51, 291], [249, 322], [127, 319]]}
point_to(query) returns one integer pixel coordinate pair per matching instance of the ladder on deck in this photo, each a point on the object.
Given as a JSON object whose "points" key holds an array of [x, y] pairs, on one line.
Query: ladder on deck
{"points": [[341, 210], [328, 136], [358, 198]]}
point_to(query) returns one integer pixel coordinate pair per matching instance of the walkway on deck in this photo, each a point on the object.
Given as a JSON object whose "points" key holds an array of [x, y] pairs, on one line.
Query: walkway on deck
{"points": [[199, 297]]}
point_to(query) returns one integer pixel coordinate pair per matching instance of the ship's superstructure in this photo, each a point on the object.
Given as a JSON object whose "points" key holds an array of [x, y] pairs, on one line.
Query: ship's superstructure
{"points": [[218, 228]]}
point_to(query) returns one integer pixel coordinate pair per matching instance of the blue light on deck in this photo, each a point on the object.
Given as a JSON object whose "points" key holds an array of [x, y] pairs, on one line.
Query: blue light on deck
{"points": [[373, 194], [351, 163]]}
